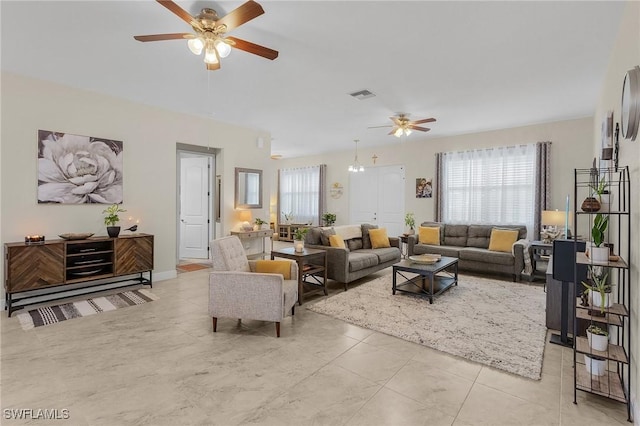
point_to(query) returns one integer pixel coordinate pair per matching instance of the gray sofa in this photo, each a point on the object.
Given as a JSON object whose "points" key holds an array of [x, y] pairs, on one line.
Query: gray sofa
{"points": [[358, 259], [470, 243]]}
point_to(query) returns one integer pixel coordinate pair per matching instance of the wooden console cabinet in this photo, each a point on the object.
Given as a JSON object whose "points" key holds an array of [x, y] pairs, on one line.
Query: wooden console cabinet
{"points": [[50, 268]]}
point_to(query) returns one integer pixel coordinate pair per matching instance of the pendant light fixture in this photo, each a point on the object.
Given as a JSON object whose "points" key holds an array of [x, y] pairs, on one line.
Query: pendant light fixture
{"points": [[356, 166]]}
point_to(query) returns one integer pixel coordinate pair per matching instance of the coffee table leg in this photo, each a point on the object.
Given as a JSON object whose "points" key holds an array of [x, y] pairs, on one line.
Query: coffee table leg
{"points": [[432, 278], [393, 288]]}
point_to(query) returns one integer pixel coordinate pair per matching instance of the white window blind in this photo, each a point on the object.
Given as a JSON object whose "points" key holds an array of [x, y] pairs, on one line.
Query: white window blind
{"points": [[492, 186], [299, 193]]}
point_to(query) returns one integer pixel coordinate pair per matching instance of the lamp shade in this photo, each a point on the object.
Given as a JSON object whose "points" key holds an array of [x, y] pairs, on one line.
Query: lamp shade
{"points": [[245, 215], [553, 218]]}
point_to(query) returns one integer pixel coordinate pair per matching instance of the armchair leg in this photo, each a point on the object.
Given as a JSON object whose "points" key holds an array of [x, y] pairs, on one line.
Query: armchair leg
{"points": [[278, 329], [215, 323], [293, 310]]}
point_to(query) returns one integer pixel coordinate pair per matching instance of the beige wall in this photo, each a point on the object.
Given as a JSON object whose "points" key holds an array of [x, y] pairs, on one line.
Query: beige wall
{"points": [[149, 134], [626, 55], [571, 148]]}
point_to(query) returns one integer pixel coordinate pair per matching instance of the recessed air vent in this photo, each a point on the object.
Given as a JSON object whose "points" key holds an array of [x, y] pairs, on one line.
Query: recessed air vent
{"points": [[362, 94]]}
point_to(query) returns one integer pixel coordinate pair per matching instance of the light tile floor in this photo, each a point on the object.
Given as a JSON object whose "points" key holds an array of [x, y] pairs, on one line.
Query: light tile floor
{"points": [[160, 364]]}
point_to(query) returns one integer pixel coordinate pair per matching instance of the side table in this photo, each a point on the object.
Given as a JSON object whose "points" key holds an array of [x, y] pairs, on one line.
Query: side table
{"points": [[541, 252], [311, 263], [404, 246], [253, 235]]}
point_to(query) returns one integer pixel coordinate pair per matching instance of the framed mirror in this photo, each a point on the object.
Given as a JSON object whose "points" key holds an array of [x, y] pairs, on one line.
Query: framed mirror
{"points": [[248, 188]]}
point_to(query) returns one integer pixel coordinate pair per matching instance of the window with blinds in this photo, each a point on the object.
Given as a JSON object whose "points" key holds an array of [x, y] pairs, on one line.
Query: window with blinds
{"points": [[299, 194], [493, 186]]}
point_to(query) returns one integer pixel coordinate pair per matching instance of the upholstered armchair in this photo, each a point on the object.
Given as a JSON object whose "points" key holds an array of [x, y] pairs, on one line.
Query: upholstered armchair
{"points": [[238, 290]]}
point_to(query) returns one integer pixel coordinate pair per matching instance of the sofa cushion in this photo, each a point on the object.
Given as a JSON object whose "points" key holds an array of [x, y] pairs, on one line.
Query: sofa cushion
{"points": [[336, 241], [366, 239], [361, 260], [486, 256], [354, 244], [384, 254], [379, 238], [450, 251], [325, 234], [502, 239], [479, 235], [455, 235], [429, 235], [348, 232]]}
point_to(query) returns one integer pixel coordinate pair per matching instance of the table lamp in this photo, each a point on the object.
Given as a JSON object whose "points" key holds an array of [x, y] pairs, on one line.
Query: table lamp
{"points": [[553, 222], [245, 217]]}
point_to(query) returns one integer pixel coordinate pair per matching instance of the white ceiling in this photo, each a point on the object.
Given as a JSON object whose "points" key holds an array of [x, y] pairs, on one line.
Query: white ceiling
{"points": [[473, 65]]}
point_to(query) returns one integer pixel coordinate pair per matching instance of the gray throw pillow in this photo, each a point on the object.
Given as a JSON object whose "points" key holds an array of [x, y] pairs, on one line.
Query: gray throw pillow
{"points": [[366, 239], [325, 234], [354, 244]]}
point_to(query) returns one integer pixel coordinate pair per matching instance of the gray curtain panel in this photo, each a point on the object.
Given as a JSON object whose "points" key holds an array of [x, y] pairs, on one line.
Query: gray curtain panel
{"points": [[438, 189], [322, 202], [543, 167]]}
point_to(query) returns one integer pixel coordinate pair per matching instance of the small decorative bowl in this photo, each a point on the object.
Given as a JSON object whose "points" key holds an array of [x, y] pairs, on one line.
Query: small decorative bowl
{"points": [[74, 236], [425, 259]]}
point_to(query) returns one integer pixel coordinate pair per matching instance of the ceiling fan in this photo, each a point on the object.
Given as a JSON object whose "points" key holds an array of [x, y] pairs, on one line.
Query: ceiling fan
{"points": [[403, 126], [210, 32]]}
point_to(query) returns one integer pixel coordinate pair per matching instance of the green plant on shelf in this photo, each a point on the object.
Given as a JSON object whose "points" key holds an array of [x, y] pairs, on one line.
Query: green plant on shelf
{"points": [[259, 221], [599, 227], [600, 188], [599, 284], [409, 220], [329, 219], [594, 329]]}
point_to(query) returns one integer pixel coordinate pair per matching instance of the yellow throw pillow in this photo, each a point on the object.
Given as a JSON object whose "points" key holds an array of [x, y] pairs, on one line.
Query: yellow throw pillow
{"points": [[282, 267], [336, 241], [429, 235], [502, 239], [379, 238]]}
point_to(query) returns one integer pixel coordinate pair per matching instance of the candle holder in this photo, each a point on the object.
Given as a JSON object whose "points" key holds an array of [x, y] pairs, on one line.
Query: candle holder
{"points": [[34, 239]]}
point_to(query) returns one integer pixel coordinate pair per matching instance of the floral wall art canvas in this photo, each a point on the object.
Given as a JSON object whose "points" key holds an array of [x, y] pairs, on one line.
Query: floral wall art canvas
{"points": [[75, 169]]}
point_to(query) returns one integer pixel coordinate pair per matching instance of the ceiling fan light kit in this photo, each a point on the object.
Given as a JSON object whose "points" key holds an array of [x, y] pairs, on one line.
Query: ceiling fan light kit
{"points": [[210, 32], [402, 126]]}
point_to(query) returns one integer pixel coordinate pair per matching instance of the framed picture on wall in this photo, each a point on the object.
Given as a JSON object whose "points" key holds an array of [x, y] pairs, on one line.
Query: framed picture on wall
{"points": [[607, 137], [424, 188], [74, 169]]}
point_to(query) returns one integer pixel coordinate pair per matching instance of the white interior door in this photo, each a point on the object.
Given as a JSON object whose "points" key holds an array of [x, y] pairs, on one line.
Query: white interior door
{"points": [[194, 207], [376, 196]]}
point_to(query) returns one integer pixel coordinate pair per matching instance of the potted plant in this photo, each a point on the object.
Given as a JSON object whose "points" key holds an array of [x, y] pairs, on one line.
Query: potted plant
{"points": [[410, 221], [329, 219], [595, 366], [603, 194], [298, 238], [598, 338], [599, 289], [258, 224], [111, 219], [598, 253]]}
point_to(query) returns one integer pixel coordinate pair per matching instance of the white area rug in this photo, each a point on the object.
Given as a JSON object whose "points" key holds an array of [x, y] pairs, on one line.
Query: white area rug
{"points": [[497, 323]]}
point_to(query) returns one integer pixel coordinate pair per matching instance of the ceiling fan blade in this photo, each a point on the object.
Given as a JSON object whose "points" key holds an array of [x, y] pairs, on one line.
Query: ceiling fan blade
{"points": [[213, 67], [179, 12], [240, 15], [393, 131], [160, 37], [425, 120], [420, 129], [377, 127], [256, 49]]}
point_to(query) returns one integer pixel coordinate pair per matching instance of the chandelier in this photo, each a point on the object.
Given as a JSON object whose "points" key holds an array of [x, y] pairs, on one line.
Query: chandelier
{"points": [[356, 167]]}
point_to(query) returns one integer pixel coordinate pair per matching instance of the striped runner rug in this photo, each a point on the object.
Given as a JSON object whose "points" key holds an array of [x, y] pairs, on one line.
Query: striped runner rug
{"points": [[53, 314]]}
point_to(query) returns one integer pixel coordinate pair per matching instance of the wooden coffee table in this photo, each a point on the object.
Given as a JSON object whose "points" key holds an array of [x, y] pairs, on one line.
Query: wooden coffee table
{"points": [[311, 263], [427, 280]]}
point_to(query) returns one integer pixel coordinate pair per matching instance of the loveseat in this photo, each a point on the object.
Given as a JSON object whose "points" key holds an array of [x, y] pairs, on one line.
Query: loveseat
{"points": [[470, 244], [358, 258]]}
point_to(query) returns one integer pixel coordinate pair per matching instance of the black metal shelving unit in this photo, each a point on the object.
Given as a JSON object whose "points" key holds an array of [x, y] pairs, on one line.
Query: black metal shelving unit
{"points": [[616, 382]]}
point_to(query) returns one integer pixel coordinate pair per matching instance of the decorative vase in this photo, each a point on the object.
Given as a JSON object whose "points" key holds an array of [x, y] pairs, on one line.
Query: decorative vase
{"points": [[113, 231], [595, 366], [257, 227], [606, 201], [597, 342], [298, 246], [411, 231], [590, 205]]}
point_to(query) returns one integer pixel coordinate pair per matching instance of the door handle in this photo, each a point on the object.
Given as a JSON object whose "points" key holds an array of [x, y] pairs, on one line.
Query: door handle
{"points": [[182, 220]]}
